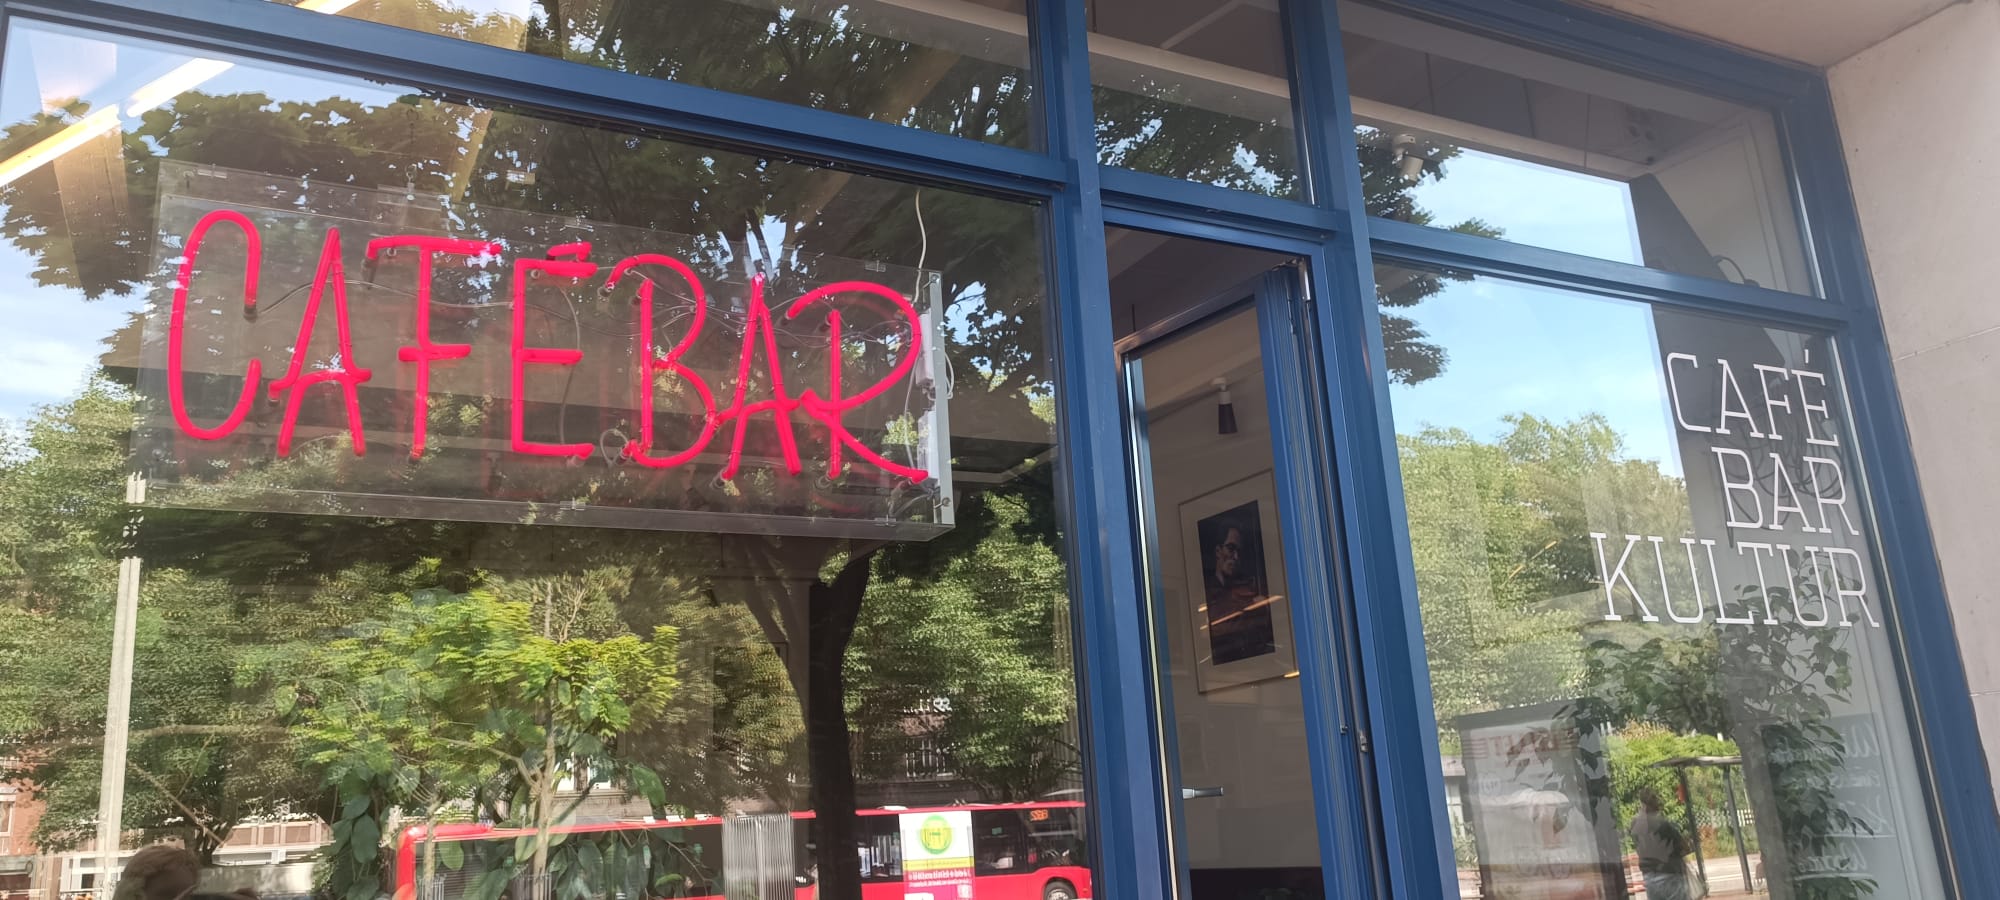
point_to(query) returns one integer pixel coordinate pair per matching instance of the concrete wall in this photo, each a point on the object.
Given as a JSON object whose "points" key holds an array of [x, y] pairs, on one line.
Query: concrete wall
{"points": [[1920, 117]]}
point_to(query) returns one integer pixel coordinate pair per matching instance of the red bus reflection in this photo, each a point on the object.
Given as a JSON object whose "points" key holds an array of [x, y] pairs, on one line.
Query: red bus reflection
{"points": [[1019, 851]]}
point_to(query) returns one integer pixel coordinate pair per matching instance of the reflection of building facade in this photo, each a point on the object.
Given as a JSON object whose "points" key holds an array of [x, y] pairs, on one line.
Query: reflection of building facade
{"points": [[275, 858], [18, 817]]}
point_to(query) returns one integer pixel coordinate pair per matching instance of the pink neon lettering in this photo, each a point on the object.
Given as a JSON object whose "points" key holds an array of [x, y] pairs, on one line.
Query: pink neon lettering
{"points": [[424, 352], [524, 356], [781, 404], [177, 326], [833, 366], [564, 261], [651, 364], [832, 410], [297, 380]]}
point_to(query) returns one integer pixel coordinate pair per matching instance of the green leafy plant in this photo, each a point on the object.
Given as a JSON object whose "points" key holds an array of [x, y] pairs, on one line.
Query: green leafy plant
{"points": [[478, 699]]}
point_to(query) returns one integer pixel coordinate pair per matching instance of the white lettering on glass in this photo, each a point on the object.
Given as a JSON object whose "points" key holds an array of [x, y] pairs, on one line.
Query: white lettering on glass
{"points": [[1816, 581]]}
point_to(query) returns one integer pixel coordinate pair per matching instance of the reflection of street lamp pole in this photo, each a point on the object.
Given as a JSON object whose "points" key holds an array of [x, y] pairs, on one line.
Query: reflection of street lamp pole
{"points": [[1736, 826], [1694, 827], [118, 703], [1680, 765]]}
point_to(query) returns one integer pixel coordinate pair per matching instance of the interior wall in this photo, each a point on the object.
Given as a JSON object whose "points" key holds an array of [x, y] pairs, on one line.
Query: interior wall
{"points": [[1730, 188], [1249, 740], [1919, 116]]}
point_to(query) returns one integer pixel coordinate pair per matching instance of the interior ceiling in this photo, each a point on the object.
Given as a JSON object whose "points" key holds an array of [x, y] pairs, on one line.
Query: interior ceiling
{"points": [[1244, 34], [1153, 277], [1817, 32], [1181, 373]]}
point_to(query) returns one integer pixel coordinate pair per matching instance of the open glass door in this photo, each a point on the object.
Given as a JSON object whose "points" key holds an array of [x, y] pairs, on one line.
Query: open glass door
{"points": [[1233, 723]]}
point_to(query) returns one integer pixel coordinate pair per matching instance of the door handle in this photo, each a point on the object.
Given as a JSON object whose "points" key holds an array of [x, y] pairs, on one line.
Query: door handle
{"points": [[1188, 793]]}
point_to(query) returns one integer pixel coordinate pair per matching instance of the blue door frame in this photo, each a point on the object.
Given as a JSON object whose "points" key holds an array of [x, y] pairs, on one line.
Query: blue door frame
{"points": [[1383, 829], [1287, 347]]}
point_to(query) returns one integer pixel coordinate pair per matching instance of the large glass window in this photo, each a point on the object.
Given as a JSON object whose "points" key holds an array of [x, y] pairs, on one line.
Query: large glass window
{"points": [[953, 66], [1196, 89], [1461, 131], [447, 500], [1660, 645]]}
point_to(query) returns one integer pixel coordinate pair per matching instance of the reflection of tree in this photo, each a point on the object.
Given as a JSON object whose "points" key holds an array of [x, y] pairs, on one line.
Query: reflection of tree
{"points": [[203, 753], [822, 54], [1387, 193], [243, 604], [994, 601], [803, 597], [1512, 606], [1772, 689], [483, 698], [811, 597], [1504, 565], [1153, 128], [1634, 753]]}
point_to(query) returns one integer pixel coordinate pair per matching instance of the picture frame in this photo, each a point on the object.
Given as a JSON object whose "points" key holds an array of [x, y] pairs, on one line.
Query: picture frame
{"points": [[1239, 614]]}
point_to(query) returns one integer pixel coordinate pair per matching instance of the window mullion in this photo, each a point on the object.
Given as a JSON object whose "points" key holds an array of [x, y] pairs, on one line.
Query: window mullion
{"points": [[1439, 246], [1126, 796]]}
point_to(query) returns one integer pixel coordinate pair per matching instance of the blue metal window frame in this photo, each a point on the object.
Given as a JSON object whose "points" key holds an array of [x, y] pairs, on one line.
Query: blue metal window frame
{"points": [[1368, 700]]}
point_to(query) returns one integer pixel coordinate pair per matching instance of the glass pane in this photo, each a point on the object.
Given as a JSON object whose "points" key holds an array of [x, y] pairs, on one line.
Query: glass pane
{"points": [[1659, 642], [1228, 671], [1195, 89], [1477, 135], [412, 496], [958, 67]]}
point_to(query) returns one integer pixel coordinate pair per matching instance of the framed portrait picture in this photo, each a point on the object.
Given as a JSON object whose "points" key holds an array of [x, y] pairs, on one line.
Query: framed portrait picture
{"points": [[1235, 563]]}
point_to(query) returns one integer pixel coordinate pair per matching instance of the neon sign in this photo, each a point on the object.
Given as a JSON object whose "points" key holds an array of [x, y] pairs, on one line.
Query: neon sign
{"points": [[828, 411], [828, 388]]}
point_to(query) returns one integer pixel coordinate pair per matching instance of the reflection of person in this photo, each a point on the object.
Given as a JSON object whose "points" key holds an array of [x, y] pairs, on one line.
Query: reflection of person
{"points": [[159, 872], [807, 878], [1662, 850], [166, 872], [1239, 612]]}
